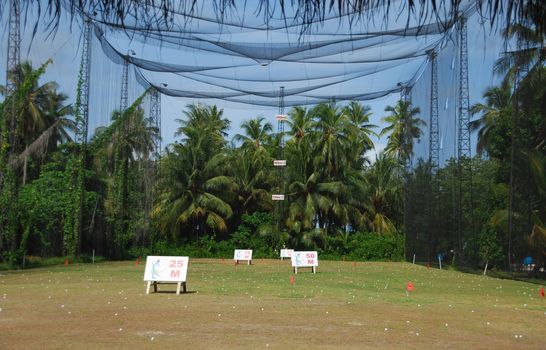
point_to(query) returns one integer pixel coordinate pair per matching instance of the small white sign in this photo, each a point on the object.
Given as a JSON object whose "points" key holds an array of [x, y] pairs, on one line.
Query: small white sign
{"points": [[304, 259], [281, 117], [166, 269], [242, 254], [286, 253], [277, 197], [279, 163]]}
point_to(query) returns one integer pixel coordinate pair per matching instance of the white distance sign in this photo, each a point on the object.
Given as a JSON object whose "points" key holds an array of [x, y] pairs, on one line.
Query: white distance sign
{"points": [[286, 253], [166, 269], [242, 254], [304, 259]]}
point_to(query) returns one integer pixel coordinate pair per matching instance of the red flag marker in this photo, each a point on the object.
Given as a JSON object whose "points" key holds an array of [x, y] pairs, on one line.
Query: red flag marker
{"points": [[409, 287], [292, 280], [65, 262], [137, 261], [542, 292], [354, 263]]}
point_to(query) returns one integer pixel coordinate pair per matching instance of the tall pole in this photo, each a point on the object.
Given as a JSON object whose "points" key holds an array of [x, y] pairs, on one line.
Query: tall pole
{"points": [[13, 61], [434, 135], [8, 132], [280, 163], [82, 97], [73, 236], [405, 95], [434, 154], [155, 120], [463, 140], [463, 149], [124, 86]]}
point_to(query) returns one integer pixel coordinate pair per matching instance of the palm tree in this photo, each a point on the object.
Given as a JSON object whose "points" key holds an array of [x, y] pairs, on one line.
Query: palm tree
{"points": [[530, 35], [359, 130], [403, 128], [207, 119], [128, 140], [42, 117], [300, 121], [251, 165], [495, 113], [193, 194], [253, 179], [330, 139], [256, 134], [383, 194]]}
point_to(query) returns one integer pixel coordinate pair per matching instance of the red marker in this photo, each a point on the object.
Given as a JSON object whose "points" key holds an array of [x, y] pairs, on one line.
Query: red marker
{"points": [[542, 292], [354, 263], [292, 280], [409, 287], [65, 262]]}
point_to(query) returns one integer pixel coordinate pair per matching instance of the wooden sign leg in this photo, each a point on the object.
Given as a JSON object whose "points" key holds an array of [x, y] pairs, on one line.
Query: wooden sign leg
{"points": [[249, 262], [184, 287], [155, 287], [296, 270], [314, 271], [148, 287], [178, 285]]}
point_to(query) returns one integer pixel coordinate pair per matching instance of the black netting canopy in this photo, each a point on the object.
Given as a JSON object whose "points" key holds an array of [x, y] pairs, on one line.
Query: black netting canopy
{"points": [[242, 58]]}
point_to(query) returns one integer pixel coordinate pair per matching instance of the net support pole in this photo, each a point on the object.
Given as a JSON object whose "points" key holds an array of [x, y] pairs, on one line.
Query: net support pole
{"points": [[463, 138], [280, 163]]}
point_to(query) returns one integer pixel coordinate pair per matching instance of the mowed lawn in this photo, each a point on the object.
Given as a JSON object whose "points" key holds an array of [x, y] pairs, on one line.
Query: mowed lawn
{"points": [[345, 305]]}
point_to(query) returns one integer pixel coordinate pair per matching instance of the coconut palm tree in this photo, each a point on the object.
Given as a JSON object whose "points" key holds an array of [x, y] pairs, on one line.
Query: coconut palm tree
{"points": [[383, 194], [256, 134], [42, 117], [330, 139], [530, 35], [403, 128], [359, 131], [495, 113], [193, 193]]}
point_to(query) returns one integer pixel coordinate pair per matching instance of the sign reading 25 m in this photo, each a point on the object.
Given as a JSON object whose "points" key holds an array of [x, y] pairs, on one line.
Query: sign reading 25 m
{"points": [[166, 268]]}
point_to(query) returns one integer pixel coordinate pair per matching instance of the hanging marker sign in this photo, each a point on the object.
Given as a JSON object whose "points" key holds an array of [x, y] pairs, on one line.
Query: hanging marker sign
{"points": [[243, 254], [281, 117], [277, 197], [166, 269], [279, 163], [304, 259]]}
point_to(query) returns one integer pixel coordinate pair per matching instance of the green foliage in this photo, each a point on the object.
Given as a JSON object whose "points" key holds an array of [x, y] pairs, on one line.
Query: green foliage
{"points": [[360, 246], [47, 206]]}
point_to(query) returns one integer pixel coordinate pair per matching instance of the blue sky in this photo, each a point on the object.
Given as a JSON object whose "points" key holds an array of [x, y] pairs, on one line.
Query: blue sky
{"points": [[65, 46]]}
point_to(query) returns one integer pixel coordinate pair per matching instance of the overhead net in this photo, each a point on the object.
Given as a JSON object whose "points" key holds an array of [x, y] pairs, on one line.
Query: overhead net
{"points": [[241, 59]]}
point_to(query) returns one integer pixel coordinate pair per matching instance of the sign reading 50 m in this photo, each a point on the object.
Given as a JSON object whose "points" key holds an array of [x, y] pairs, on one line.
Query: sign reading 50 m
{"points": [[166, 268], [305, 259]]}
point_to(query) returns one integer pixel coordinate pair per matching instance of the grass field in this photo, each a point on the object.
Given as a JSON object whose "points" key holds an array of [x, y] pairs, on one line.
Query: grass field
{"points": [[344, 306]]}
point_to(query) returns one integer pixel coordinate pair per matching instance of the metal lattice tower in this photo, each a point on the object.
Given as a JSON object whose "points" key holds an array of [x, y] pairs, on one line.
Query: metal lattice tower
{"points": [[124, 86], [434, 135], [463, 146], [465, 211], [155, 120], [82, 102], [280, 163], [13, 60]]}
